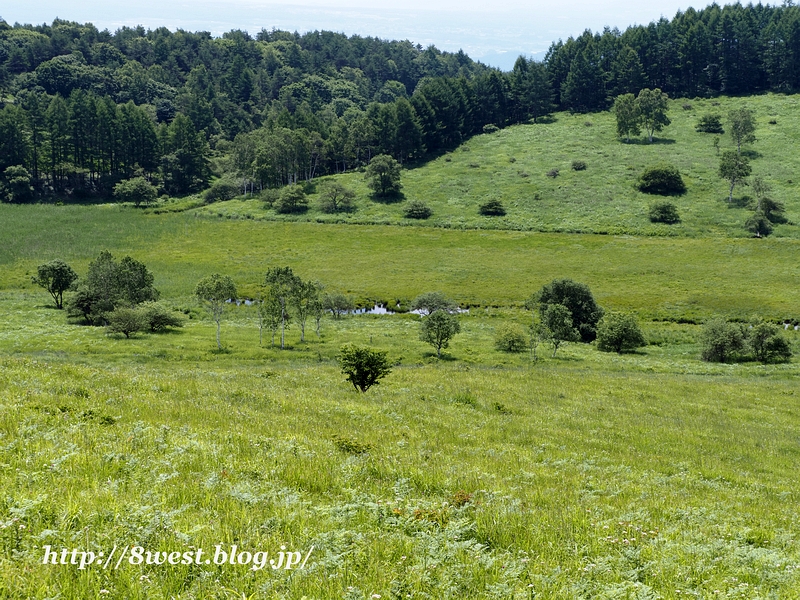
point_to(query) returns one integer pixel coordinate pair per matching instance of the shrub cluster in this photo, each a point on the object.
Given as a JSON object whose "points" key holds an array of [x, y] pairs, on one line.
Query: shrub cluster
{"points": [[664, 180], [664, 212], [492, 208], [417, 210], [722, 341]]}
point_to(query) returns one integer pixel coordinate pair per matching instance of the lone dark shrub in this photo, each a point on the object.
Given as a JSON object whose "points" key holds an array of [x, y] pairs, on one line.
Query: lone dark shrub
{"points": [[363, 366], [510, 338], [619, 333], [291, 200], [709, 124], [417, 210], [552, 173], [664, 212], [664, 180], [492, 208], [578, 165], [721, 341], [221, 190], [758, 224], [768, 343]]}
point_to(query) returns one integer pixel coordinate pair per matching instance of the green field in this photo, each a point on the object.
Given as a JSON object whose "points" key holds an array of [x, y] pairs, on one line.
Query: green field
{"points": [[481, 475], [512, 165]]}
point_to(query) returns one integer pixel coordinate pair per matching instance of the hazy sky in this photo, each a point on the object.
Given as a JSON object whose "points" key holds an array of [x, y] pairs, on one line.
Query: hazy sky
{"points": [[492, 31]]}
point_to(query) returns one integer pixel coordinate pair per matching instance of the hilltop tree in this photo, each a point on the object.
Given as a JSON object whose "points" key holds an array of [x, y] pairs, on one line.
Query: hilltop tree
{"points": [[438, 328], [215, 291], [652, 108], [56, 277], [735, 168]]}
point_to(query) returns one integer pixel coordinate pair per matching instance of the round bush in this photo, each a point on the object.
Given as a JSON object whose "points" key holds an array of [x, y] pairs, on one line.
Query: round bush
{"points": [[578, 165], [221, 190], [664, 180], [417, 210], [664, 212], [510, 338]]}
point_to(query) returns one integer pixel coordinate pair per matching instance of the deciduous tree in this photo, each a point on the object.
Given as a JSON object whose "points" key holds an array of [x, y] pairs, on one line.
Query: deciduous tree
{"points": [[438, 328], [56, 277], [215, 291]]}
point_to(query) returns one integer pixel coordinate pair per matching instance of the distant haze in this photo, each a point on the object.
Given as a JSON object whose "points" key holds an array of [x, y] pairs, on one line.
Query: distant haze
{"points": [[494, 32]]}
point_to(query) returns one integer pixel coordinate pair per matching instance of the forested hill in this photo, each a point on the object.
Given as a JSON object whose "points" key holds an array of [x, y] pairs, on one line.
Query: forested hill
{"points": [[84, 109]]}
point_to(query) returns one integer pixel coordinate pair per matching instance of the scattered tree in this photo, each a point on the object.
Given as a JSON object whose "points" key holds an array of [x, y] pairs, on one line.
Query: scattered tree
{"points": [[664, 180], [269, 316], [720, 340], [430, 302], [557, 324], [758, 224], [735, 168], [56, 277], [771, 209], [364, 367], [742, 125], [626, 111], [157, 318], [709, 124], [577, 297], [222, 190], [303, 300], [768, 343], [338, 304], [335, 197], [283, 284], [510, 338], [619, 333], [652, 107], [215, 291], [292, 200], [126, 321], [383, 175], [438, 328], [136, 191]]}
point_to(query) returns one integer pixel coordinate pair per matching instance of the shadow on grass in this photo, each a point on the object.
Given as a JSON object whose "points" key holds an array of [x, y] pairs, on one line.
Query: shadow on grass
{"points": [[741, 202], [647, 142], [390, 198], [445, 357]]}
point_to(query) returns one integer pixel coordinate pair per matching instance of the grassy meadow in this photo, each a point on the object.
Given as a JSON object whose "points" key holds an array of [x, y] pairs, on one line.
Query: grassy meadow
{"points": [[649, 475], [512, 165]]}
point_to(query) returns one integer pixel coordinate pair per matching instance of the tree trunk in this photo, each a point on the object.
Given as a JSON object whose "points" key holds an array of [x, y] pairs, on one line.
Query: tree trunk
{"points": [[219, 344]]}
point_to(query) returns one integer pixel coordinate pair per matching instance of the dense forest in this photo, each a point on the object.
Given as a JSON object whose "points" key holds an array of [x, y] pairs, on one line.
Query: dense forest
{"points": [[84, 109]]}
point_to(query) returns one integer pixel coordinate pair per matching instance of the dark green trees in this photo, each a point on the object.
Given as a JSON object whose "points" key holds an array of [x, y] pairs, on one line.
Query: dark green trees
{"points": [[364, 367], [383, 175], [619, 333], [577, 298]]}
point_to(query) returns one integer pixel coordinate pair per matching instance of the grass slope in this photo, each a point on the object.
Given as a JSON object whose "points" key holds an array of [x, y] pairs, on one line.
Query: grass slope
{"points": [[512, 165]]}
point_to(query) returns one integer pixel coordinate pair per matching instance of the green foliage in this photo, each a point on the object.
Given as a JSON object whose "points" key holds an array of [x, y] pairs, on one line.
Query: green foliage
{"points": [[627, 114], [137, 191], [430, 302], [664, 212], [284, 286], [579, 302], [417, 209], [350, 445], [15, 185], [557, 326], [292, 200], [158, 318], [617, 332], [652, 106], [335, 197], [383, 175], [663, 180], [337, 304], [710, 123], [768, 343], [492, 208], [722, 341], [215, 291], [126, 321], [221, 190], [742, 125], [56, 277], [578, 165], [735, 168], [510, 338], [438, 328], [363, 366], [758, 224]]}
